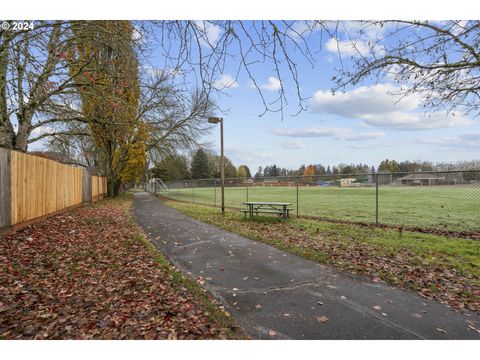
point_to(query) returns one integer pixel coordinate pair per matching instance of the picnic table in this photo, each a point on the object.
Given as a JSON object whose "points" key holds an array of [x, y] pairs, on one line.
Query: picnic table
{"points": [[263, 207]]}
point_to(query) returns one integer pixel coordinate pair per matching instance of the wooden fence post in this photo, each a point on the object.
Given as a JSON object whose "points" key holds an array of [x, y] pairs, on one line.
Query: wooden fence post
{"points": [[5, 188], [86, 186]]}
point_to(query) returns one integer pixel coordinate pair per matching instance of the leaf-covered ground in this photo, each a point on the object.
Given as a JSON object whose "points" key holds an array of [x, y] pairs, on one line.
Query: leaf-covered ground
{"points": [[90, 274], [438, 267]]}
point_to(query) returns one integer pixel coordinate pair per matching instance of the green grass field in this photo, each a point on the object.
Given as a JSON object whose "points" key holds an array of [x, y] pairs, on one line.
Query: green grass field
{"points": [[455, 208]]}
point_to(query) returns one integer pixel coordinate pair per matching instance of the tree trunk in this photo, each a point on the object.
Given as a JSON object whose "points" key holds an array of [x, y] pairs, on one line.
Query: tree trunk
{"points": [[113, 187], [116, 189], [110, 187]]}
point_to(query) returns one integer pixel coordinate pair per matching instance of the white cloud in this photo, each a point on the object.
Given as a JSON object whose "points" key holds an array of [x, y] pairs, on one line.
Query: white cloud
{"points": [[329, 132], [346, 47], [41, 131], [368, 31], [459, 27], [157, 72], [272, 84], [465, 142], [353, 47], [304, 27], [474, 136], [293, 145], [336, 133], [138, 35], [225, 82], [210, 33], [241, 155], [357, 38], [365, 136], [153, 71], [381, 106]]}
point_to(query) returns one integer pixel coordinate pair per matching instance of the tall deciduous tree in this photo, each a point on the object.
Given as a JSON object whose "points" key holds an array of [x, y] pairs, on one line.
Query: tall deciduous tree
{"points": [[388, 166], [309, 172], [109, 90], [243, 172], [35, 81]]}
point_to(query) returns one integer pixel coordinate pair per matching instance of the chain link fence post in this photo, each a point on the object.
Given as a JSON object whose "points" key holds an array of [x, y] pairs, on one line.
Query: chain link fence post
{"points": [[376, 199], [215, 185], [247, 191], [193, 191], [297, 200]]}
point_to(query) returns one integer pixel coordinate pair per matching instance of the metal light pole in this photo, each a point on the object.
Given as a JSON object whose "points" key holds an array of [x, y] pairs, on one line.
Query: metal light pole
{"points": [[216, 120]]}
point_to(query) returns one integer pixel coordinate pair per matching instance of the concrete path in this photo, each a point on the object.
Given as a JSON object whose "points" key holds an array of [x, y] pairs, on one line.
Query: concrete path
{"points": [[276, 295]]}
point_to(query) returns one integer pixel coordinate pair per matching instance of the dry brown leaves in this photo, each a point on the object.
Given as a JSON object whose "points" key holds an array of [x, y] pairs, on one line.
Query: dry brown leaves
{"points": [[83, 275]]}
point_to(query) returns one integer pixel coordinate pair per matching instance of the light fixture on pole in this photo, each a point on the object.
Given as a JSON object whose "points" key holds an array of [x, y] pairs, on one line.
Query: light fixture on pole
{"points": [[216, 120]]}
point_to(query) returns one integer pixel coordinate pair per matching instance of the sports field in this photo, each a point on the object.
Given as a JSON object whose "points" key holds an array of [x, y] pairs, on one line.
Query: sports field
{"points": [[455, 208]]}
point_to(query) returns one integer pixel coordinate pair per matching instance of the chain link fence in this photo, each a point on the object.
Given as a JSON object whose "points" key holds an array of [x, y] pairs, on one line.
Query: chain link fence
{"points": [[441, 200]]}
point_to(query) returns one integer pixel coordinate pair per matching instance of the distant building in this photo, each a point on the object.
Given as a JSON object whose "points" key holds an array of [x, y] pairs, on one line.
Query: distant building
{"points": [[423, 179], [347, 182]]}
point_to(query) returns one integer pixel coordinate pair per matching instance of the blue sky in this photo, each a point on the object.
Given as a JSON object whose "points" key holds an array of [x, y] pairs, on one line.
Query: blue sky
{"points": [[366, 124], [363, 125]]}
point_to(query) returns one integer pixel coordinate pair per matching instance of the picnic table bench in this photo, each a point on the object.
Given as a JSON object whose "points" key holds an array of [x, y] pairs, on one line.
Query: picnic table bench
{"points": [[263, 207]]}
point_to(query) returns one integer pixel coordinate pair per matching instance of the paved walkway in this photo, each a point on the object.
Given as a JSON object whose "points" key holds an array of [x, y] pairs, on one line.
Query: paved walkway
{"points": [[273, 294]]}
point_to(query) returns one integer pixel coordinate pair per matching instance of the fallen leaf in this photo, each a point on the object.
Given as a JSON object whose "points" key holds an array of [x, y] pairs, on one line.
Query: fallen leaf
{"points": [[322, 319]]}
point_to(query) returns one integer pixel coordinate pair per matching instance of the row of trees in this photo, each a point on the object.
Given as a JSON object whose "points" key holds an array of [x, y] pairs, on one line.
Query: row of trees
{"points": [[203, 164], [313, 169], [385, 166]]}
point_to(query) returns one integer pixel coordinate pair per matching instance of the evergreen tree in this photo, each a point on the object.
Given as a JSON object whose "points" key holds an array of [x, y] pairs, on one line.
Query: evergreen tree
{"points": [[200, 168], [274, 171]]}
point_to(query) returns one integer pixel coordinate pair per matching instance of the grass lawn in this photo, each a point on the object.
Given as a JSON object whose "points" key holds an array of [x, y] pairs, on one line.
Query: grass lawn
{"points": [[91, 274], [451, 208], [443, 268]]}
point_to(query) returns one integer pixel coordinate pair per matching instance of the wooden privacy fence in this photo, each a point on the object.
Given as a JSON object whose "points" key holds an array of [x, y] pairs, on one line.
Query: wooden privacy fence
{"points": [[99, 187], [32, 187]]}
